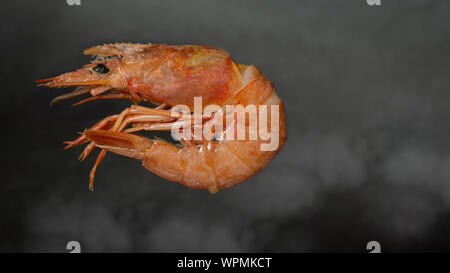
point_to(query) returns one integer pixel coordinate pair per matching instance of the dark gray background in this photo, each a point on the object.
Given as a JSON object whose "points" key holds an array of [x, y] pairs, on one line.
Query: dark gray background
{"points": [[367, 99]]}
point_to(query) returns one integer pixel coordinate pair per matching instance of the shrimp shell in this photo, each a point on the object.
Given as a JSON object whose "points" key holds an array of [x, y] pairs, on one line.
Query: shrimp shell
{"points": [[170, 76]]}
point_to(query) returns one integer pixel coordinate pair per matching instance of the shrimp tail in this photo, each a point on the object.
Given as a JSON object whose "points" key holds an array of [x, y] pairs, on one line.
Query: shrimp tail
{"points": [[129, 145]]}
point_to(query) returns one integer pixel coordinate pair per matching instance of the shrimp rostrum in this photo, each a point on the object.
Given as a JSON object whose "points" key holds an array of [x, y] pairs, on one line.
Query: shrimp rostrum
{"points": [[225, 117]]}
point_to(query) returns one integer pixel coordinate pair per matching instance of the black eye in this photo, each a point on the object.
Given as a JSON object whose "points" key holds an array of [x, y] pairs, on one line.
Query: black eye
{"points": [[101, 68]]}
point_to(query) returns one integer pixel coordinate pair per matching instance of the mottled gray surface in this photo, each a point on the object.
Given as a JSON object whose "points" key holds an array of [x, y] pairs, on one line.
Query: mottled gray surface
{"points": [[367, 99]]}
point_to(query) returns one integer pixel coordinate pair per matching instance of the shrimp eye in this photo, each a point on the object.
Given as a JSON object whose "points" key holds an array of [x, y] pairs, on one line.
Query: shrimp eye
{"points": [[101, 68]]}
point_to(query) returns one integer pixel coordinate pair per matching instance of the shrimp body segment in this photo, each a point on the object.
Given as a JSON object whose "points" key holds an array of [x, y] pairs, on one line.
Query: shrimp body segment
{"points": [[174, 77]]}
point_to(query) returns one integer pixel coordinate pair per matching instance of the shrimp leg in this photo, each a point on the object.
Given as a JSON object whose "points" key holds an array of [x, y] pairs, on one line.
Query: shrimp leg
{"points": [[120, 122], [158, 115]]}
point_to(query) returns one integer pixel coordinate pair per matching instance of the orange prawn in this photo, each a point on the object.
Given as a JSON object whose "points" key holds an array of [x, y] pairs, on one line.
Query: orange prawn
{"points": [[173, 77]]}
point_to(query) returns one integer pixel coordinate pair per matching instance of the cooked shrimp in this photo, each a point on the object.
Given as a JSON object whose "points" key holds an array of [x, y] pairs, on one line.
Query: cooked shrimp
{"points": [[174, 76]]}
